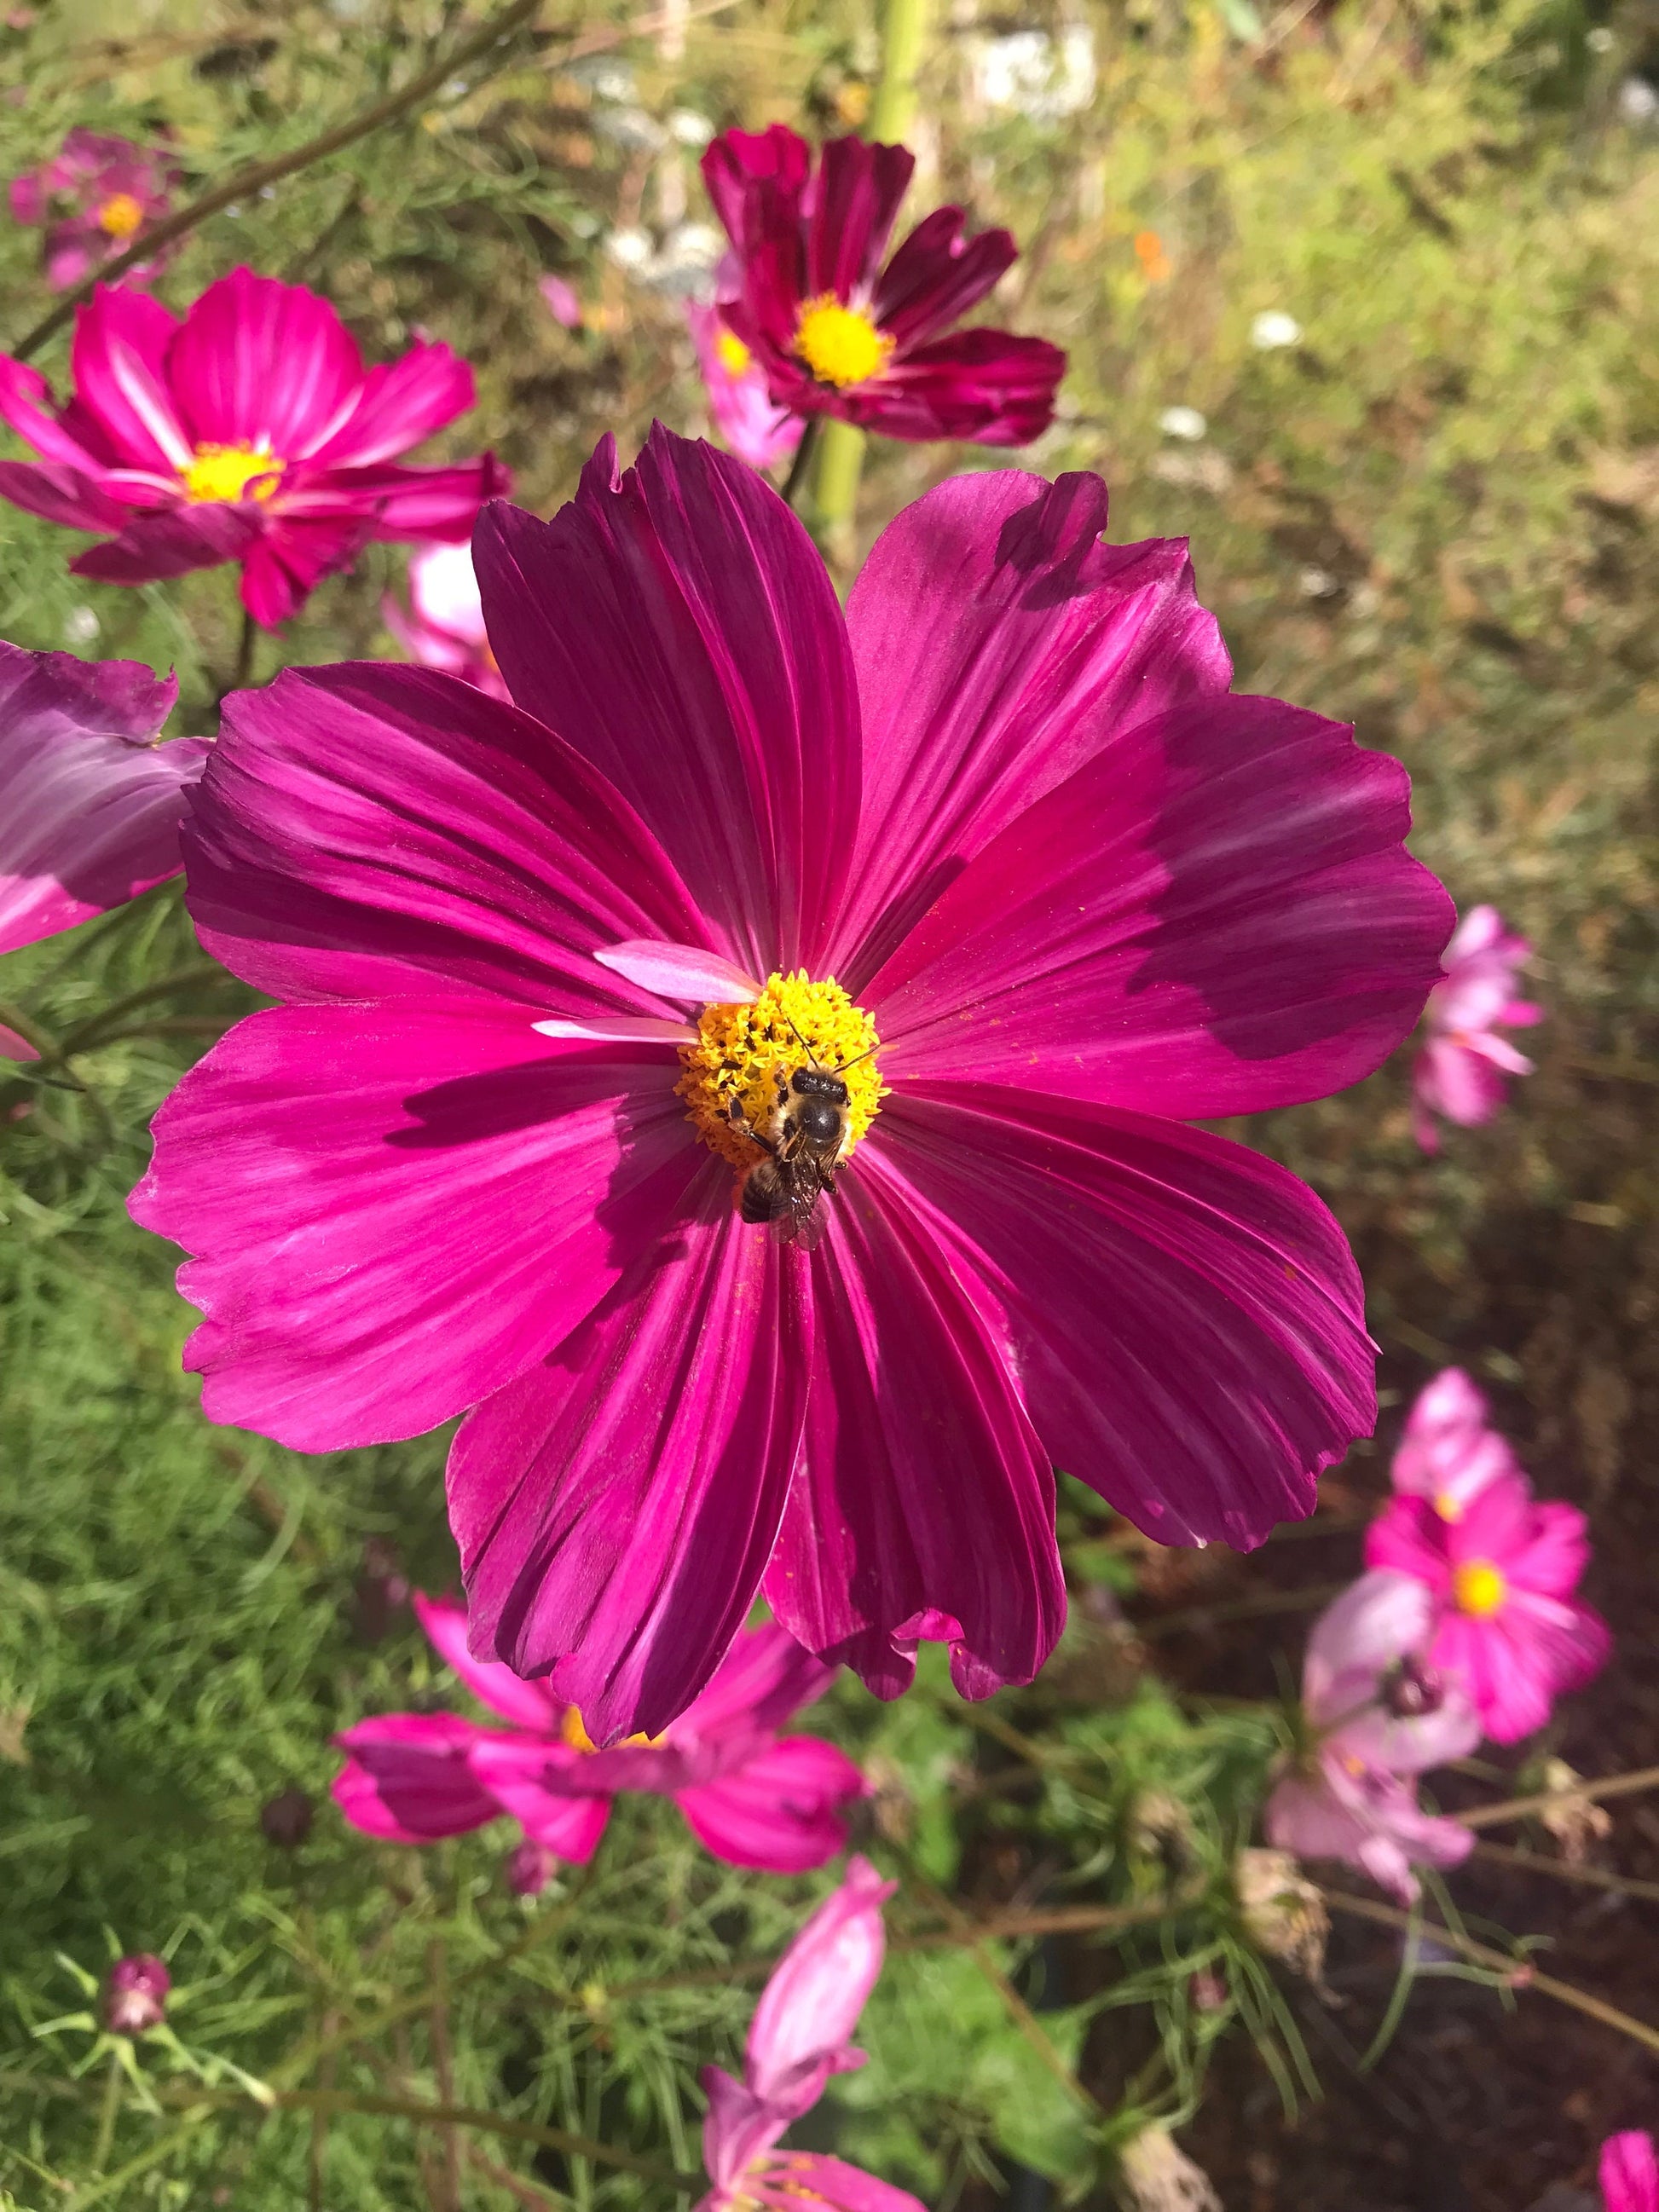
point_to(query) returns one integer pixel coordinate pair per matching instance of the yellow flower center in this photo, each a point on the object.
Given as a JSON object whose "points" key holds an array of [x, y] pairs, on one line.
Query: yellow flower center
{"points": [[740, 1065], [1479, 1587], [225, 472], [1447, 1506], [839, 344], [573, 1731], [735, 356], [119, 215]]}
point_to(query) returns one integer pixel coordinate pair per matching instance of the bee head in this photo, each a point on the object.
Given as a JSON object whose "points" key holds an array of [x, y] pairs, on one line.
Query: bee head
{"points": [[818, 1083]]}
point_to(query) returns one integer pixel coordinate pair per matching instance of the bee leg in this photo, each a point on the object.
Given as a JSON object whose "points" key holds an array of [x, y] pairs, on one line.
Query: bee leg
{"points": [[734, 1115]]}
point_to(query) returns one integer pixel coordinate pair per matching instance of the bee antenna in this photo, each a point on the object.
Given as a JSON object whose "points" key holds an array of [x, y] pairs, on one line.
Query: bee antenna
{"points": [[842, 1066], [811, 1054]]}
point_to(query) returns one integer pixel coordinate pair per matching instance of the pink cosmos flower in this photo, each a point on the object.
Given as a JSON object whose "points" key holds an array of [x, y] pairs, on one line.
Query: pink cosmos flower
{"points": [[1449, 1452], [1501, 1573], [444, 628], [1461, 1068], [751, 1796], [249, 432], [91, 199], [834, 331], [1629, 2173], [563, 302], [1380, 1719], [797, 2039], [1001, 842], [89, 802], [756, 430], [135, 1994]]}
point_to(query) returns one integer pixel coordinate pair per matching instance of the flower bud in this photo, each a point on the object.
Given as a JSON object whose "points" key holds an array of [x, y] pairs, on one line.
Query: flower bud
{"points": [[1412, 1691], [287, 1818], [1283, 1914], [530, 1867], [135, 1994]]}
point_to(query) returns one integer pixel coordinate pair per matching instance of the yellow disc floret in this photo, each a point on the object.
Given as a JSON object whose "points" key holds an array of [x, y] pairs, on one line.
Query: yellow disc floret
{"points": [[574, 1730], [1479, 1587], [735, 356], [839, 344], [224, 472], [119, 215], [741, 1051]]}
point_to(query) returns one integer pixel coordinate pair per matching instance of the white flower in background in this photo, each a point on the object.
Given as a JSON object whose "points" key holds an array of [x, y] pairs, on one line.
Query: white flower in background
{"points": [[1638, 102], [1600, 41], [1318, 584], [689, 127], [685, 265], [1274, 329], [1183, 422], [629, 249], [81, 626], [1041, 76]]}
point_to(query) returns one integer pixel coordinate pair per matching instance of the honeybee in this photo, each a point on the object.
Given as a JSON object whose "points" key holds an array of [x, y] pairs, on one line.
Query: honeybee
{"points": [[797, 1166]]}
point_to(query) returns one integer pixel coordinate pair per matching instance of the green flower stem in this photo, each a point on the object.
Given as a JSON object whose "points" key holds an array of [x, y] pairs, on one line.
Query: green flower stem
{"points": [[840, 458]]}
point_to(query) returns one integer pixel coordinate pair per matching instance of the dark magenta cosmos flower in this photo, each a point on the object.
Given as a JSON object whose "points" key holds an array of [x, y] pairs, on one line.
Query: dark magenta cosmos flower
{"points": [[1502, 1569], [135, 1993], [89, 801], [1003, 828], [91, 199], [751, 1796], [249, 432], [836, 332]]}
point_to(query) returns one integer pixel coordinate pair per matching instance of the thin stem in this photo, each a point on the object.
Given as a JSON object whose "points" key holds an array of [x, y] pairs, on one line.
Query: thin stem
{"points": [[795, 483], [109, 2108], [181, 979], [247, 183], [1514, 1809], [1519, 1973], [246, 646], [1588, 1877]]}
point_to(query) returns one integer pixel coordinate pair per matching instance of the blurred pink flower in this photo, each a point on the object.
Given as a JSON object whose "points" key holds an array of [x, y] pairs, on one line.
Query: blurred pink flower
{"points": [[838, 327], [1501, 1577], [798, 2037], [1461, 1068], [1003, 814], [250, 432], [1379, 1718], [1629, 2173], [1448, 1452], [92, 198], [756, 430], [135, 1994], [445, 627], [751, 1796], [89, 802], [563, 302]]}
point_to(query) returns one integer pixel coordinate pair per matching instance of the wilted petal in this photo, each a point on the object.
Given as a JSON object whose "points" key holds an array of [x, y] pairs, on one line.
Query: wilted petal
{"points": [[676, 624], [924, 1504], [1184, 1316], [615, 1506]]}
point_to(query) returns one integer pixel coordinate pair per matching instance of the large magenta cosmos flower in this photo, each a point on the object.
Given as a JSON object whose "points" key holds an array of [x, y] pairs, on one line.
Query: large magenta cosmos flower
{"points": [[837, 332], [1004, 817], [1501, 1570], [1629, 2173], [249, 432], [91, 198], [89, 802], [799, 2036], [751, 1796]]}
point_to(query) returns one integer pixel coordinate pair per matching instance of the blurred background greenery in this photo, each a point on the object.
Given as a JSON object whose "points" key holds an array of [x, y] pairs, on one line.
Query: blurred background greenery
{"points": [[1362, 298]]}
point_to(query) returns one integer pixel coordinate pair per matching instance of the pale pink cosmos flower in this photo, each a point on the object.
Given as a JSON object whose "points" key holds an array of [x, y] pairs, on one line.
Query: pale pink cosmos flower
{"points": [[444, 627], [1379, 1718], [1629, 2173], [91, 199], [1501, 1575], [563, 302], [1449, 1451], [750, 1795], [89, 801], [738, 401], [798, 2037], [1461, 1068], [249, 432], [1001, 842]]}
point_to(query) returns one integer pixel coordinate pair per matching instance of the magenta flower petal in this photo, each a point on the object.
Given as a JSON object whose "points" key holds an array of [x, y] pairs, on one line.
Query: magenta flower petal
{"points": [[525, 1704], [988, 387], [855, 202], [776, 157], [782, 2181], [517, 1774], [1001, 645], [170, 541], [615, 1506], [297, 887], [89, 804], [22, 391], [1199, 911], [801, 2029], [1187, 1255], [13, 1046], [118, 358], [777, 1811], [871, 1557], [937, 275], [59, 494], [395, 502], [676, 625], [1629, 2173], [283, 566], [241, 330], [394, 1210], [766, 1679], [398, 404], [407, 1778]]}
